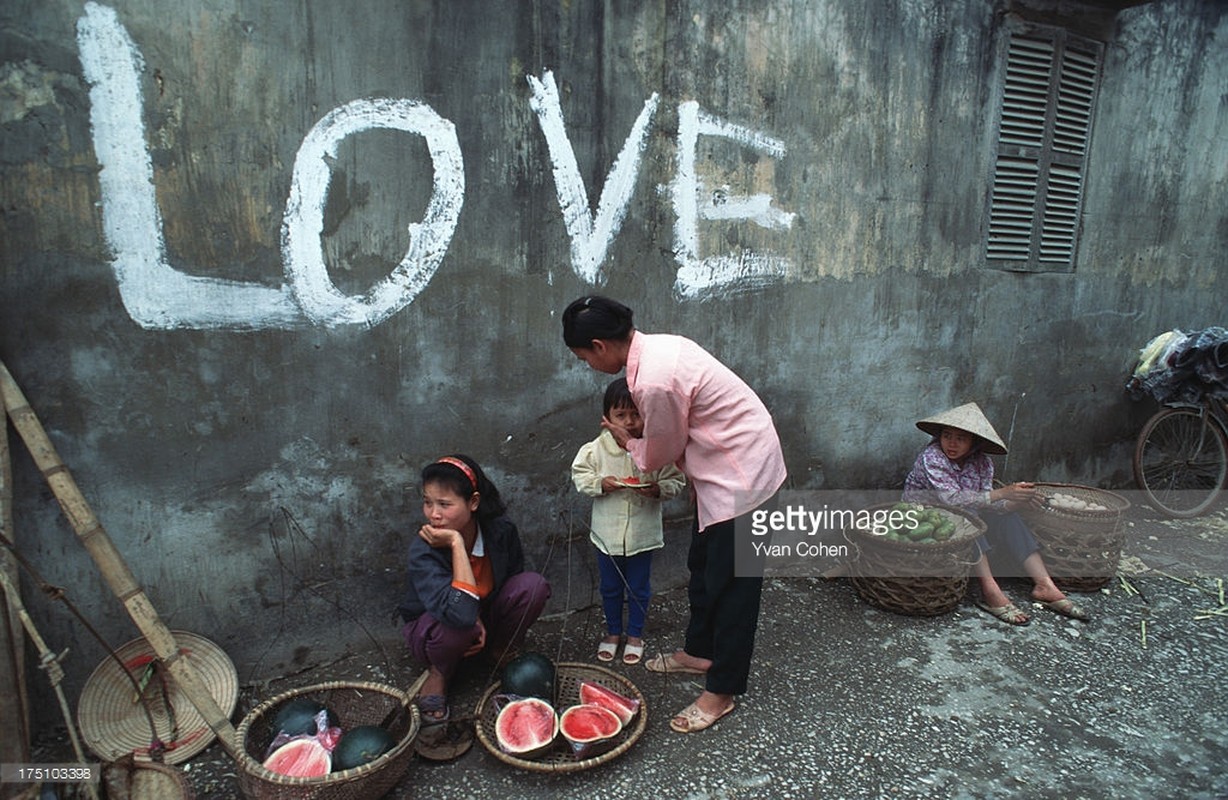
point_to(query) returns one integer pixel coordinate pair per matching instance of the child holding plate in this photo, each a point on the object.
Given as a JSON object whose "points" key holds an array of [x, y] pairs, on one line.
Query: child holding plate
{"points": [[626, 524]]}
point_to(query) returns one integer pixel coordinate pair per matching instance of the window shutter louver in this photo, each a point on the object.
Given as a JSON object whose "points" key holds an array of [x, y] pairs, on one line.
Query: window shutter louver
{"points": [[1047, 102]]}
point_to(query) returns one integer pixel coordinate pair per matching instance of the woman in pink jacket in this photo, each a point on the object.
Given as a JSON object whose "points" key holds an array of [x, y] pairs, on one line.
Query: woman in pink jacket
{"points": [[699, 415]]}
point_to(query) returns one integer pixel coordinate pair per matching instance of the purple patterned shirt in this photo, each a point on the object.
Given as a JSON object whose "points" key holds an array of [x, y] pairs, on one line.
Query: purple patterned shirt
{"points": [[937, 479]]}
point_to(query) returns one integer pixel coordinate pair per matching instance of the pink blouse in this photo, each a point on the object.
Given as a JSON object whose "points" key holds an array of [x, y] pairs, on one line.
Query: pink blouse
{"points": [[700, 415]]}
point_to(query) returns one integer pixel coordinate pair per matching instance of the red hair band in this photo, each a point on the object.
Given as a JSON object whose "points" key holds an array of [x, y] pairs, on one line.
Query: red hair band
{"points": [[463, 467]]}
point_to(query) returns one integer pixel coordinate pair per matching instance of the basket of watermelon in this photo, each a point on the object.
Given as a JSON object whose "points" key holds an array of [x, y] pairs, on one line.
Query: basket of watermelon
{"points": [[332, 741], [565, 717]]}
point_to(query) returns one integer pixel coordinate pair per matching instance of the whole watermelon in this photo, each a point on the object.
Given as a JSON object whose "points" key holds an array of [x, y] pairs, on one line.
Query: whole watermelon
{"points": [[529, 675], [361, 745], [297, 717]]}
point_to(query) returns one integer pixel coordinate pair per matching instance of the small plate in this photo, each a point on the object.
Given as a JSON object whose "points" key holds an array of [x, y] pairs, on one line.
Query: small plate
{"points": [[641, 485]]}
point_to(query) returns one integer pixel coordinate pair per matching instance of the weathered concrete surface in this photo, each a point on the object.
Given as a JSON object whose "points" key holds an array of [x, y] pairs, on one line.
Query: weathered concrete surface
{"points": [[255, 477]]}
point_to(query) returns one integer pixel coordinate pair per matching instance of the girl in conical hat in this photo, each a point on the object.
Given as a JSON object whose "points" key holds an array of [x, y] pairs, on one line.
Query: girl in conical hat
{"points": [[954, 469]]}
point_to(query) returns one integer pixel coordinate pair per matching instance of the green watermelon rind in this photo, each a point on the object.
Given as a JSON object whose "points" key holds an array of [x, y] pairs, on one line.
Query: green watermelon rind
{"points": [[361, 745]]}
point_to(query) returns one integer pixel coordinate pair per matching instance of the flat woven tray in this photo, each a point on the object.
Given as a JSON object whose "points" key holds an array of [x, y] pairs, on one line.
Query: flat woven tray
{"points": [[113, 721], [354, 704], [560, 757]]}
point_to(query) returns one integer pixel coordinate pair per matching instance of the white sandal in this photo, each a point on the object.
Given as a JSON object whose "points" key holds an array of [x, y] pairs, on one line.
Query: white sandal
{"points": [[632, 654], [606, 651]]}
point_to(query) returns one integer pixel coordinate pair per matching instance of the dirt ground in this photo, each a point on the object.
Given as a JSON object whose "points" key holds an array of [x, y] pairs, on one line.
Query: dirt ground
{"points": [[850, 701]]}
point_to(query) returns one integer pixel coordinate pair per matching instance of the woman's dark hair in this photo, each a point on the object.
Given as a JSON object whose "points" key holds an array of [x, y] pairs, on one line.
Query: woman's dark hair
{"points": [[595, 317], [617, 395], [463, 483]]}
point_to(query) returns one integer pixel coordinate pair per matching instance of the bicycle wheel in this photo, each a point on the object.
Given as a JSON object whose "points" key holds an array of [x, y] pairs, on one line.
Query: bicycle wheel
{"points": [[1180, 461]]}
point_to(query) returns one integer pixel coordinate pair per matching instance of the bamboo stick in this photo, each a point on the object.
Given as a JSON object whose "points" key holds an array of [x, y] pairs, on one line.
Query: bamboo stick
{"points": [[15, 736], [109, 560], [55, 673]]}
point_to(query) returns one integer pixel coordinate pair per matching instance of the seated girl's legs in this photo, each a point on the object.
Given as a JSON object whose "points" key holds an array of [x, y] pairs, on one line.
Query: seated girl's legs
{"points": [[441, 648], [1012, 541], [637, 569], [510, 613], [611, 570], [437, 645], [1012, 534]]}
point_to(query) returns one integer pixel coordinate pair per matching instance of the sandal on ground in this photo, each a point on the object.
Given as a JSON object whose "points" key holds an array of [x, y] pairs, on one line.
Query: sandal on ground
{"points": [[1067, 608], [693, 719], [606, 651], [665, 662], [632, 653], [1009, 613], [434, 709]]}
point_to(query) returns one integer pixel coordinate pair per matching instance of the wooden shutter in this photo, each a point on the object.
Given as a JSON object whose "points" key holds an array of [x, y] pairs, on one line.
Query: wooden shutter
{"points": [[1048, 99]]}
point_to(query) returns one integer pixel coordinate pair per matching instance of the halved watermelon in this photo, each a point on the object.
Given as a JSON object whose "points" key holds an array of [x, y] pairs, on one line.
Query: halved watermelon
{"points": [[526, 727], [300, 758], [625, 707], [589, 728]]}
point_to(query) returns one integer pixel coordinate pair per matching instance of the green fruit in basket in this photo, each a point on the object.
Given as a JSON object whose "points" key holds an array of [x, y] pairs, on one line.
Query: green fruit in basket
{"points": [[529, 675], [921, 531], [943, 534], [927, 540], [361, 745], [297, 717]]}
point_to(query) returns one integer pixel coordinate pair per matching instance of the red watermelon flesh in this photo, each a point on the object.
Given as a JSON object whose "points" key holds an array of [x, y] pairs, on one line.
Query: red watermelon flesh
{"points": [[300, 758], [589, 729], [589, 723], [596, 694], [526, 727]]}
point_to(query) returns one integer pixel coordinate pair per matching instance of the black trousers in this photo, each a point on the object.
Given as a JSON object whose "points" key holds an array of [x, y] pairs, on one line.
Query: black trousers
{"points": [[724, 608]]}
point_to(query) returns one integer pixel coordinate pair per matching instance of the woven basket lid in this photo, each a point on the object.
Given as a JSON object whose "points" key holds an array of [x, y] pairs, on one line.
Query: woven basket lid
{"points": [[113, 723], [967, 417]]}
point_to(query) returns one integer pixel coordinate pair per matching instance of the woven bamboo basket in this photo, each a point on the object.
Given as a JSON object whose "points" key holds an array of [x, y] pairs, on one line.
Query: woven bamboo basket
{"points": [[913, 578], [1081, 548], [354, 704], [560, 757]]}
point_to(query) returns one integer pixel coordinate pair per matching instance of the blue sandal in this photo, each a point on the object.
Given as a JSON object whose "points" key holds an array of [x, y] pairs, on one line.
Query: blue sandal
{"points": [[434, 709]]}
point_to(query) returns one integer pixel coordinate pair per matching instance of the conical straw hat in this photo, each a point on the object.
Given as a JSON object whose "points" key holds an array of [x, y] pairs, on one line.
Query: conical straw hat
{"points": [[967, 417]]}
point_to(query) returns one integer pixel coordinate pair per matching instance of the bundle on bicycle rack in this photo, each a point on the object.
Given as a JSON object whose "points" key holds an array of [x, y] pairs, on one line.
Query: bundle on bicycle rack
{"points": [[1080, 532]]}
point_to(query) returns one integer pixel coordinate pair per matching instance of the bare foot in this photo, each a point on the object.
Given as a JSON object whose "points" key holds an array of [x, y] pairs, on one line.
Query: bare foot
{"points": [[712, 703], [1047, 594], [435, 685], [685, 659]]}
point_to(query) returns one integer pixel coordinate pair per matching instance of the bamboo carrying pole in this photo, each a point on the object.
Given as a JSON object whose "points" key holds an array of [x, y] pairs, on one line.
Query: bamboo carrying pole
{"points": [[116, 572]]}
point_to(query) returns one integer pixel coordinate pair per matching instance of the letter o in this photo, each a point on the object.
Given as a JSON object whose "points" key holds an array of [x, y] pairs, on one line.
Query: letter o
{"points": [[303, 222]]}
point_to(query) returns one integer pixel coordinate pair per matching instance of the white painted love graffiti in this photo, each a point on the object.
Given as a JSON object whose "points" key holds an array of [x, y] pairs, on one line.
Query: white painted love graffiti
{"points": [[158, 296]]}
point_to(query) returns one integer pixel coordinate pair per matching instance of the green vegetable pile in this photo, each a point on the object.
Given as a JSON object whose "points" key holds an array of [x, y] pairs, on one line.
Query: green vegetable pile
{"points": [[919, 524]]}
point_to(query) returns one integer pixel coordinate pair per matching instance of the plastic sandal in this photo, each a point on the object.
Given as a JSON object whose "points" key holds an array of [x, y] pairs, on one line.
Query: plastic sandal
{"points": [[606, 651]]}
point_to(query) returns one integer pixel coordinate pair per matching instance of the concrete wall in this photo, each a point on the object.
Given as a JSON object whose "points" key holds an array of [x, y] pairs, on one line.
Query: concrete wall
{"points": [[212, 297]]}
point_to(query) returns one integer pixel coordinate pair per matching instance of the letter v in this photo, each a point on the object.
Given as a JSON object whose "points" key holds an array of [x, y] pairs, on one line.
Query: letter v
{"points": [[590, 235], [155, 294]]}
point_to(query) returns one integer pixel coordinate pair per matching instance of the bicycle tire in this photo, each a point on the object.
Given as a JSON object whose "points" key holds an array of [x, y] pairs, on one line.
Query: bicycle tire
{"points": [[1181, 461]]}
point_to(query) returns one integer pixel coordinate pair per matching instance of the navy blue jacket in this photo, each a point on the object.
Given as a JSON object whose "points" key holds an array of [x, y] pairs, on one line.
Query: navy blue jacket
{"points": [[430, 575]]}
